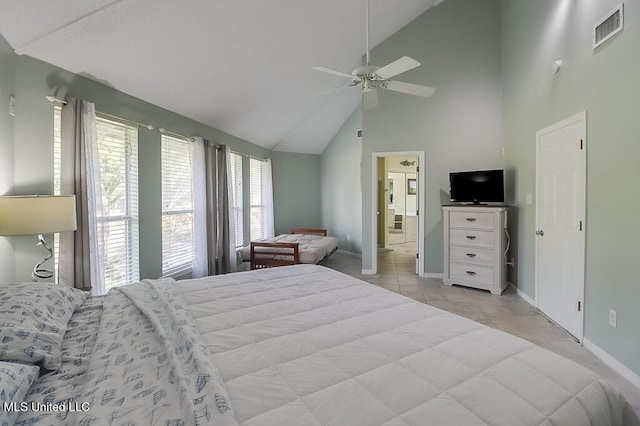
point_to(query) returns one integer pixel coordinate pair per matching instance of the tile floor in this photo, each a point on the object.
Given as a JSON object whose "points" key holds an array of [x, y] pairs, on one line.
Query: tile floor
{"points": [[508, 312]]}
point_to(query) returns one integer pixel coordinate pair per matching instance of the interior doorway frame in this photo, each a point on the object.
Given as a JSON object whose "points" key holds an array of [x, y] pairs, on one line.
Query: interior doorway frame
{"points": [[373, 249]]}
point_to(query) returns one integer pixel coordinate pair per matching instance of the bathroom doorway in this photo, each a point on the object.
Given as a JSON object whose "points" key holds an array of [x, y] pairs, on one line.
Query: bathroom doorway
{"points": [[397, 200]]}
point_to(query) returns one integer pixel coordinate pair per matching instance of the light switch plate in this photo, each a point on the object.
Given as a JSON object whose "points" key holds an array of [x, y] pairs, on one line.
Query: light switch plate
{"points": [[613, 318], [12, 106]]}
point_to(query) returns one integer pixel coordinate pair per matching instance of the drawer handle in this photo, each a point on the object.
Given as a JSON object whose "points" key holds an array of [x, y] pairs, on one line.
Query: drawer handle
{"points": [[471, 255], [471, 237], [470, 273], [471, 219]]}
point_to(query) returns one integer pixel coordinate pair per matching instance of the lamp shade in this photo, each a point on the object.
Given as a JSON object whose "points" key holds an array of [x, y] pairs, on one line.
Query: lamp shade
{"points": [[37, 214]]}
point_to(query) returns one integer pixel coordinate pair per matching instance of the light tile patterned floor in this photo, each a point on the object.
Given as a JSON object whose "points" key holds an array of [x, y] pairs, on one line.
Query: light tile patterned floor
{"points": [[507, 312]]}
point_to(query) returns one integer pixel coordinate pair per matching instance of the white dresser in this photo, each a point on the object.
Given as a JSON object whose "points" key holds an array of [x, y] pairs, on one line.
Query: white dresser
{"points": [[474, 247]]}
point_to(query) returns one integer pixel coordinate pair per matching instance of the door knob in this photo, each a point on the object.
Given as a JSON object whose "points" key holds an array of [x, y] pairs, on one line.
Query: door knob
{"points": [[540, 232]]}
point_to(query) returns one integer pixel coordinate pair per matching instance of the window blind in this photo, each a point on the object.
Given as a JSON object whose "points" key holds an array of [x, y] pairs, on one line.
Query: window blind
{"points": [[177, 206], [256, 199], [238, 207], [117, 209], [57, 161]]}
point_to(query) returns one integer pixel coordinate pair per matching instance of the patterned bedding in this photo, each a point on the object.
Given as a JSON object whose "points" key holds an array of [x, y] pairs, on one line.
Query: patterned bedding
{"points": [[143, 362], [304, 345], [313, 248]]}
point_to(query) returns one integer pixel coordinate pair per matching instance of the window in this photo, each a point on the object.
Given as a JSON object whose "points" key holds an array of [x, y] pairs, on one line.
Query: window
{"points": [[238, 207], [177, 206], [117, 202], [116, 219], [261, 199]]}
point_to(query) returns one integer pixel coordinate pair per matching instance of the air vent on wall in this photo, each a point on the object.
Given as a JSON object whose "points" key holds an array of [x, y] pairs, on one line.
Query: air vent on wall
{"points": [[608, 26]]}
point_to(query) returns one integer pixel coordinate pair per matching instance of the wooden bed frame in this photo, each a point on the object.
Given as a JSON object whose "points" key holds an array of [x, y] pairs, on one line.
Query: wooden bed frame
{"points": [[272, 254], [318, 231]]}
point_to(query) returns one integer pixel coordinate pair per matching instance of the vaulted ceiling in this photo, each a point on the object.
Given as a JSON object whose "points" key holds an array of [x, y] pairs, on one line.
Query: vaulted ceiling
{"points": [[241, 66]]}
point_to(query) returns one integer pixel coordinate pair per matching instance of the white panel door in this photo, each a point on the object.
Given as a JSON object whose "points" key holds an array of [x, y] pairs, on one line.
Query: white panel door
{"points": [[560, 222]]}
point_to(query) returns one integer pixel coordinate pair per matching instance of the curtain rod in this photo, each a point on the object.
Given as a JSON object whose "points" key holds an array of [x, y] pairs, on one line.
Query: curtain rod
{"points": [[135, 123], [175, 135], [57, 101], [246, 155]]}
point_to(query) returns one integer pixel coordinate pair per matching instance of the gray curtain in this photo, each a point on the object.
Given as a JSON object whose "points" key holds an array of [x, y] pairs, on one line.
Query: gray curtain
{"points": [[220, 219], [77, 125]]}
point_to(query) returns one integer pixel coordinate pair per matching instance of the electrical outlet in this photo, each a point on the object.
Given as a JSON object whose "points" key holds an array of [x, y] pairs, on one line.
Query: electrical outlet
{"points": [[529, 199], [348, 237], [613, 318]]}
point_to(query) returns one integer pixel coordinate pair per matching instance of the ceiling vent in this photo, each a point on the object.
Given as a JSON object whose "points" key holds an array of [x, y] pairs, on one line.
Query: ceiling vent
{"points": [[608, 26]]}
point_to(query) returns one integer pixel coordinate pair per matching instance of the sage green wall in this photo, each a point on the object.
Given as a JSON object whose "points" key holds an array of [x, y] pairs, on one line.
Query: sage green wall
{"points": [[33, 154], [341, 189], [605, 84], [296, 191], [459, 128], [7, 87]]}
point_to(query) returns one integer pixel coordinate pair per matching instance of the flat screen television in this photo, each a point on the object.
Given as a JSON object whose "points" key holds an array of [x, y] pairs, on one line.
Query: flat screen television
{"points": [[482, 186]]}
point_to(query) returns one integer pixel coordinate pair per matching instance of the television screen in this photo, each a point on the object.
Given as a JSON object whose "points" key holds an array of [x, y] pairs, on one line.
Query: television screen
{"points": [[482, 186]]}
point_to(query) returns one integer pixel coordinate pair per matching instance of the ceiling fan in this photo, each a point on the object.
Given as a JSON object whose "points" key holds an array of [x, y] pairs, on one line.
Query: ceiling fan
{"points": [[372, 76]]}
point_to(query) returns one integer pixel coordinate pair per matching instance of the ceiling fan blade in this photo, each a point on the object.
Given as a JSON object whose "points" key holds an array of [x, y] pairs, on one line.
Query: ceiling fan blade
{"points": [[396, 67], [370, 98], [334, 72], [409, 88], [328, 92]]}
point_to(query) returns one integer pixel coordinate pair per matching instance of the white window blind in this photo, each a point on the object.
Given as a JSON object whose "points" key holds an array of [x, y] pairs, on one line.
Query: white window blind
{"points": [[57, 161], [257, 197], [177, 206], [238, 207], [117, 216]]}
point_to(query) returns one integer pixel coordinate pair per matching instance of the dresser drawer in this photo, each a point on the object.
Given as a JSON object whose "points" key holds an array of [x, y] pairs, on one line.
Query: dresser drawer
{"points": [[476, 256], [471, 238], [478, 276], [473, 220]]}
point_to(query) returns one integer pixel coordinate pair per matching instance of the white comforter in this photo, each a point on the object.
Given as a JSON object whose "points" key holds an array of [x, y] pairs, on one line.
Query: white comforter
{"points": [[305, 345]]}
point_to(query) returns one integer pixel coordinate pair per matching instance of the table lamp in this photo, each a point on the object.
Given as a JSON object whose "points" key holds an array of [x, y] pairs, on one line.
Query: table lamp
{"points": [[38, 215]]}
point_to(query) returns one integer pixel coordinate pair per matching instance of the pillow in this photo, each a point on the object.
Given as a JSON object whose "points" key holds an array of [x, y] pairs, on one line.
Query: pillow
{"points": [[33, 320], [15, 380]]}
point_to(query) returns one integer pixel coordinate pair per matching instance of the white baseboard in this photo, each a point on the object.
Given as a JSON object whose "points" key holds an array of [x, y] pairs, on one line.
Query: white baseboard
{"points": [[524, 296], [616, 365], [349, 253], [368, 272], [433, 275]]}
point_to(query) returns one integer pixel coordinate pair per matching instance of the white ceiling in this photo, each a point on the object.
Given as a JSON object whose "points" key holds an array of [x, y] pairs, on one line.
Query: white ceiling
{"points": [[241, 66]]}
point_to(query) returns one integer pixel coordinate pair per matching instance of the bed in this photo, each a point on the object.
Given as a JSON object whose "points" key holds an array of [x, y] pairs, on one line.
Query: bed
{"points": [[301, 345], [312, 245]]}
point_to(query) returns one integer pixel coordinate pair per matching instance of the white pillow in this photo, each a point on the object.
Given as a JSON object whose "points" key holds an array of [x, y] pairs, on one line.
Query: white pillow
{"points": [[15, 380], [33, 320]]}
